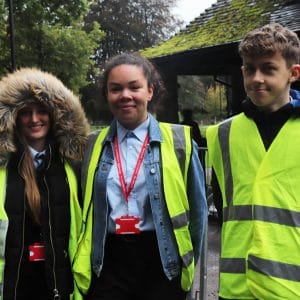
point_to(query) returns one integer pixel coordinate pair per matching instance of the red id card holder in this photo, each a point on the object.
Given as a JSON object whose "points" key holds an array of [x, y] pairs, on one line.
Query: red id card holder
{"points": [[36, 252], [127, 225]]}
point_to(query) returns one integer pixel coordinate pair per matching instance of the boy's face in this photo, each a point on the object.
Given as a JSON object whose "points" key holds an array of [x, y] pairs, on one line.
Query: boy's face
{"points": [[267, 80]]}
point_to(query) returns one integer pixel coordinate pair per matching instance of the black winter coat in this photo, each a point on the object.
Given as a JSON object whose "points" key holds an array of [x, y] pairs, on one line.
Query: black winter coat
{"points": [[55, 272]]}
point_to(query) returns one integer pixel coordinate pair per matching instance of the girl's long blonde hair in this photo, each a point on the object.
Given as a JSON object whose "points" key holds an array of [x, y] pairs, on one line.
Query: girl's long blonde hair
{"points": [[28, 173], [32, 192]]}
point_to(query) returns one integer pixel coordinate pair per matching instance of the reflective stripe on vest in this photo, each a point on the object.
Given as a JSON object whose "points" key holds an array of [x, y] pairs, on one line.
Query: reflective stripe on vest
{"points": [[175, 166], [274, 213], [264, 266], [175, 192]]}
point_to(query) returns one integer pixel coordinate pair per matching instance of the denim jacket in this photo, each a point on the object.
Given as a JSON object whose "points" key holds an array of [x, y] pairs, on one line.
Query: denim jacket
{"points": [[166, 240]]}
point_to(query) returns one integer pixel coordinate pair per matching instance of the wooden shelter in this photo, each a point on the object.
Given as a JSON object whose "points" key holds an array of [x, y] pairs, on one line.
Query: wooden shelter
{"points": [[208, 46]]}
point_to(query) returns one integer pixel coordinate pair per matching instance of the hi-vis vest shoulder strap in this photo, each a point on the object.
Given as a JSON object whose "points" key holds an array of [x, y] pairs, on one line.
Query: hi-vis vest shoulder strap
{"points": [[174, 182], [176, 149], [261, 208], [3, 225]]}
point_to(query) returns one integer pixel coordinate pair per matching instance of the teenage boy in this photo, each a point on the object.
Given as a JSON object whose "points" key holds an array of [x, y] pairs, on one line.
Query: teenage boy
{"points": [[255, 156]]}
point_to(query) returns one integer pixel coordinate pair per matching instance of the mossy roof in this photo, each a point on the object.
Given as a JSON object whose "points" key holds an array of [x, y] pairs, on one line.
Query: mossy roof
{"points": [[225, 22]]}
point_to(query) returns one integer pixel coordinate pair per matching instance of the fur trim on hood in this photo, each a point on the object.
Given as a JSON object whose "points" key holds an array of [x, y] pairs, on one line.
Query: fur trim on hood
{"points": [[29, 85]]}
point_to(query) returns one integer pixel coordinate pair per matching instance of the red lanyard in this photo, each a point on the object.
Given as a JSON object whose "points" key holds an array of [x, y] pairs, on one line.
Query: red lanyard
{"points": [[126, 191]]}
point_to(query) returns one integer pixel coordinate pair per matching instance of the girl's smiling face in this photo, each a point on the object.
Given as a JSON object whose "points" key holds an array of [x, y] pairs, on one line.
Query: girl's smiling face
{"points": [[34, 125], [128, 94]]}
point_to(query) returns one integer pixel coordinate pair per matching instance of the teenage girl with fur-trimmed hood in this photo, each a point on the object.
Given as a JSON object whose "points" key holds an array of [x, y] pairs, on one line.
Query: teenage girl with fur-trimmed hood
{"points": [[40, 215]]}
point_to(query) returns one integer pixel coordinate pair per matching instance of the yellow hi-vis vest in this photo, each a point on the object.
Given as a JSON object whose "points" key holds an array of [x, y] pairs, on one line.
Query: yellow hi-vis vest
{"points": [[176, 149], [261, 209], [75, 222]]}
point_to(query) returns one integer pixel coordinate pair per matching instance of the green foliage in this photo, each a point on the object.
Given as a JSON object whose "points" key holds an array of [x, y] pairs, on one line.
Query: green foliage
{"points": [[204, 96], [4, 39], [216, 103], [51, 12], [131, 25], [228, 24], [191, 93], [69, 57], [49, 35]]}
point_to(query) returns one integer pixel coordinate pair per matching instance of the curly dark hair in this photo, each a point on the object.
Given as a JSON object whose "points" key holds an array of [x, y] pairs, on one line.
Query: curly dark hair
{"points": [[151, 74]]}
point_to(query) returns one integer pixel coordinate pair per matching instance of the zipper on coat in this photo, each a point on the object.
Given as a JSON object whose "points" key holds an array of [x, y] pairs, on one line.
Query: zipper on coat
{"points": [[56, 295]]}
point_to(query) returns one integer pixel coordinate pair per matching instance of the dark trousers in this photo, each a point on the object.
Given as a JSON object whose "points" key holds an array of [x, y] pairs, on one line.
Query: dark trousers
{"points": [[32, 283], [132, 270]]}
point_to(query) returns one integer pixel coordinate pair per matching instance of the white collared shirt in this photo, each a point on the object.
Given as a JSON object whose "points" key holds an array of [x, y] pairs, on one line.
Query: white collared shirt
{"points": [[34, 153]]}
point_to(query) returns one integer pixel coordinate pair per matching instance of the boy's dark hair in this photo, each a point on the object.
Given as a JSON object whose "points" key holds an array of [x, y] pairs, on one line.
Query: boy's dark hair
{"points": [[268, 40], [151, 74]]}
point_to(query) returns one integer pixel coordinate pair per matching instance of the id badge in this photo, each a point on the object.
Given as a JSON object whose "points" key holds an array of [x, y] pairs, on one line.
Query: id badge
{"points": [[36, 252], [127, 225]]}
